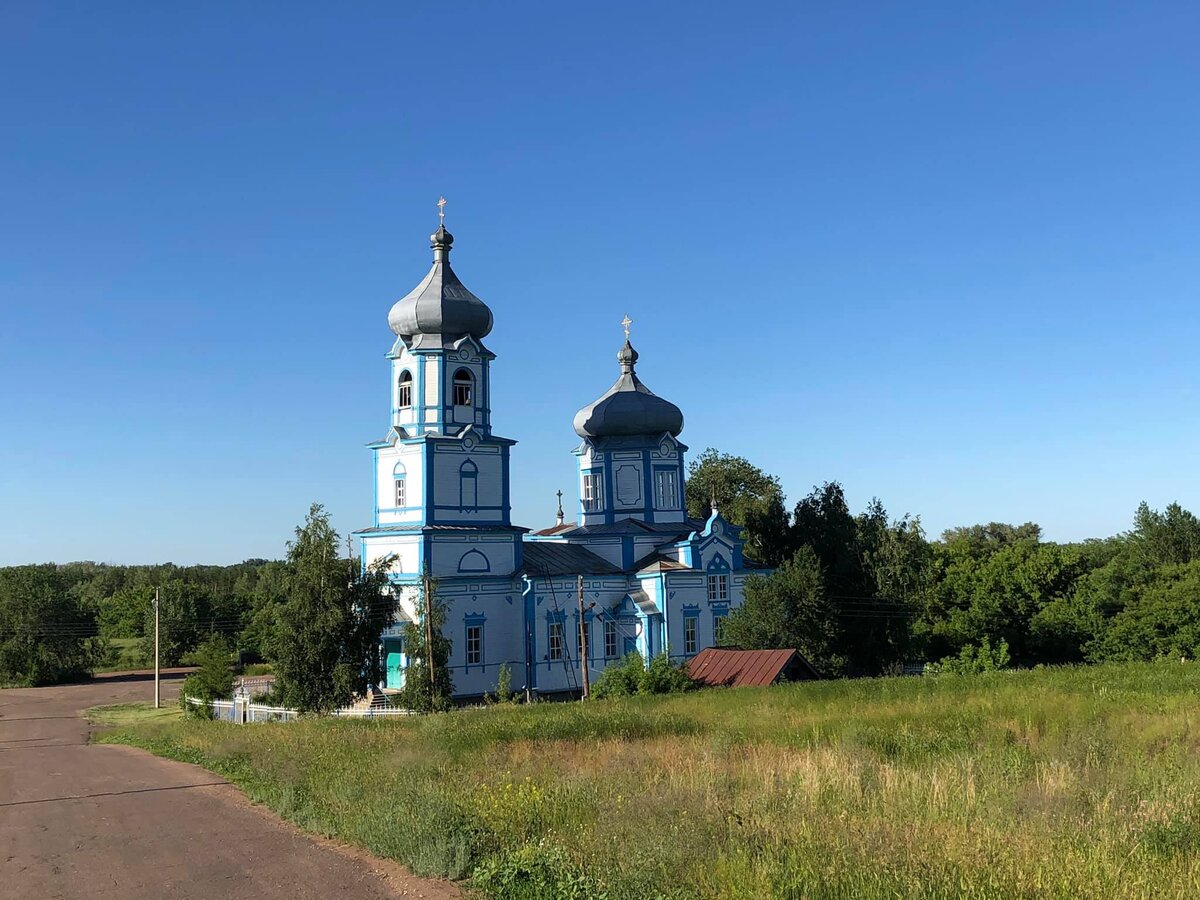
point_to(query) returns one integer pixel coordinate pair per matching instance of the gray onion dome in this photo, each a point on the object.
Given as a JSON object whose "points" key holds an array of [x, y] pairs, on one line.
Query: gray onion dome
{"points": [[440, 304], [629, 407]]}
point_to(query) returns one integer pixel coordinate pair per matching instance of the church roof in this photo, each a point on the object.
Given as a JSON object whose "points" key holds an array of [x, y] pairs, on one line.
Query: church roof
{"points": [[405, 527], [541, 558], [440, 310], [628, 407], [624, 527]]}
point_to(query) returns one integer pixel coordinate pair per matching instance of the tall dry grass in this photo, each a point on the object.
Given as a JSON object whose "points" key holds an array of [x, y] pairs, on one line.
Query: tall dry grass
{"points": [[1072, 783]]}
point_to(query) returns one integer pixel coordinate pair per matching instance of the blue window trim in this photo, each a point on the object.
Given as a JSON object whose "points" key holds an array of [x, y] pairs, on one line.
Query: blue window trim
{"points": [[468, 471], [474, 620], [556, 617], [694, 619]]}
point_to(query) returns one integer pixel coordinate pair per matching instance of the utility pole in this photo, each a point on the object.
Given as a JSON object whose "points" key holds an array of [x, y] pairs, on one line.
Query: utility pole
{"points": [[583, 644], [429, 636], [157, 694]]}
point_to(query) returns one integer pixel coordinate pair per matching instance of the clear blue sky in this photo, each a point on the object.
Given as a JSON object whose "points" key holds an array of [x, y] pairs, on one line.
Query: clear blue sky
{"points": [[944, 253]]}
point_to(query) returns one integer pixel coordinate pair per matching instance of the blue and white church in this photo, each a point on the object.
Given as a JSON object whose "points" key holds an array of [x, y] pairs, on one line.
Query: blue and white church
{"points": [[653, 579]]}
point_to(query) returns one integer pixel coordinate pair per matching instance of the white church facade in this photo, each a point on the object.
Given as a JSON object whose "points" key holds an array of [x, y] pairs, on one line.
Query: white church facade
{"points": [[654, 580]]}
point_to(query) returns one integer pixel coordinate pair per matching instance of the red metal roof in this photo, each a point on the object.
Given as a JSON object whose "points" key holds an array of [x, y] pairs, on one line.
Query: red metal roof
{"points": [[738, 668]]}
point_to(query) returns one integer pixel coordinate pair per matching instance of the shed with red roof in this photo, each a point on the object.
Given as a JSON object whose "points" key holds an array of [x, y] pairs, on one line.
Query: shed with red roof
{"points": [[720, 667]]}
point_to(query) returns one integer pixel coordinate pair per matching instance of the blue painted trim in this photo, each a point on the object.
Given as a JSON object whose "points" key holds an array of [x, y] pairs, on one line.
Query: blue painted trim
{"points": [[375, 487], [608, 488], [647, 487]]}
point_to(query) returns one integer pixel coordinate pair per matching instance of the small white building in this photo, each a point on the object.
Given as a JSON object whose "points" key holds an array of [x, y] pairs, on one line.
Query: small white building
{"points": [[654, 580]]}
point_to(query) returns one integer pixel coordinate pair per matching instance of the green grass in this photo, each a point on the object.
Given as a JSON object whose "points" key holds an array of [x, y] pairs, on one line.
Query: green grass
{"points": [[126, 654], [1071, 783], [126, 714]]}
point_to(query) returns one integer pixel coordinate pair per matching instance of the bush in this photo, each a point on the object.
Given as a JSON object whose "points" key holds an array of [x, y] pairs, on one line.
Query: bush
{"points": [[973, 660], [632, 676], [620, 679], [665, 677]]}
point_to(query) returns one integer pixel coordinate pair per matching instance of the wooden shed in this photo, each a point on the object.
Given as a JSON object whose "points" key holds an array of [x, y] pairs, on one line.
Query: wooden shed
{"points": [[717, 666]]}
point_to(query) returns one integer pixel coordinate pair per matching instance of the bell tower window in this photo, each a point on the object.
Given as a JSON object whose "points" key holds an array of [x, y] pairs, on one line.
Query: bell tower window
{"points": [[404, 394], [463, 384], [593, 491]]}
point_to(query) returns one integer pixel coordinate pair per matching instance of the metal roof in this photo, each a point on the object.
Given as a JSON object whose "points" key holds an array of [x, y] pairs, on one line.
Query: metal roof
{"points": [[542, 558], [628, 407], [417, 526], [716, 666], [441, 304], [630, 526]]}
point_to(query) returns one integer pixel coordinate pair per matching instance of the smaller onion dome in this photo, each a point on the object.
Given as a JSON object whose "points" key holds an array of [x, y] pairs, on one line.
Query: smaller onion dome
{"points": [[629, 407], [440, 305]]}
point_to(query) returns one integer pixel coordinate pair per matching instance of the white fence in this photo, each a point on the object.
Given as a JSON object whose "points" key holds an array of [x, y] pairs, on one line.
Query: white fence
{"points": [[241, 711]]}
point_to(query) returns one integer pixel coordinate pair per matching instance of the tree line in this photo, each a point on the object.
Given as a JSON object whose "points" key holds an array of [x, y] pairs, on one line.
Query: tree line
{"points": [[865, 594], [858, 593]]}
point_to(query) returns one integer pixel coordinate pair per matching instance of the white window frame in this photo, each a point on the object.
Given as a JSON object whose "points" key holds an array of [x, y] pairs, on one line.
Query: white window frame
{"points": [[718, 588], [404, 390], [474, 654], [401, 492], [666, 489], [691, 634], [593, 491], [610, 639], [719, 628], [555, 641]]}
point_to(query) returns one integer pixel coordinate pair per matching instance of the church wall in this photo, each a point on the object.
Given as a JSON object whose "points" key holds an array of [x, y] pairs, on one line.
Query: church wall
{"points": [[454, 554], [410, 455], [406, 548], [451, 490], [494, 604]]}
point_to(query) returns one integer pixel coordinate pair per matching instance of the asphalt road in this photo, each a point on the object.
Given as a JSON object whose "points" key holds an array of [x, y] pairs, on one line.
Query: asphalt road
{"points": [[101, 821]]}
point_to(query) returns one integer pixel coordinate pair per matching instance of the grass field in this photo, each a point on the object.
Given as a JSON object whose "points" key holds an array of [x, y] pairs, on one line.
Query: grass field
{"points": [[1072, 783]]}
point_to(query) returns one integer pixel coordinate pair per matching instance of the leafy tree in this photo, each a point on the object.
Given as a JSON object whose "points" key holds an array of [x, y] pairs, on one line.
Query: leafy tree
{"points": [[214, 678], [327, 641], [996, 588], [182, 609], [788, 609], [123, 613], [46, 633], [746, 496], [420, 692], [267, 598], [1165, 538]]}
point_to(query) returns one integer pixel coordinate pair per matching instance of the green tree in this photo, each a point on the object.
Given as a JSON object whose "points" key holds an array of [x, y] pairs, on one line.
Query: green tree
{"points": [[746, 496], [46, 633], [998, 588], [1165, 538], [213, 680], [788, 609], [421, 692], [182, 613], [329, 627]]}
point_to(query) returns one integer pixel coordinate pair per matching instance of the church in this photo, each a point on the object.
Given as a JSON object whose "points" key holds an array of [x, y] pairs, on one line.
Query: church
{"points": [[652, 579]]}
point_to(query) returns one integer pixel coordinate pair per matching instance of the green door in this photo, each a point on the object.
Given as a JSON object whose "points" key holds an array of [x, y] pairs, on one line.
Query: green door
{"points": [[395, 666]]}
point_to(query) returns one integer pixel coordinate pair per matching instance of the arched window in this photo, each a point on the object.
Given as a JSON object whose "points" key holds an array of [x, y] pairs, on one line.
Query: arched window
{"points": [[468, 487], [463, 383], [404, 395], [399, 476]]}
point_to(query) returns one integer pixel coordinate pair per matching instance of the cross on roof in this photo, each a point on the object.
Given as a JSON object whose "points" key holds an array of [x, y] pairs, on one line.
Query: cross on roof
{"points": [[626, 322], [441, 205]]}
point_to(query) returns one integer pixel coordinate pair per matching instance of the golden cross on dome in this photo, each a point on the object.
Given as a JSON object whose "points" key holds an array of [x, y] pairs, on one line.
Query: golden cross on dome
{"points": [[441, 205], [626, 322]]}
